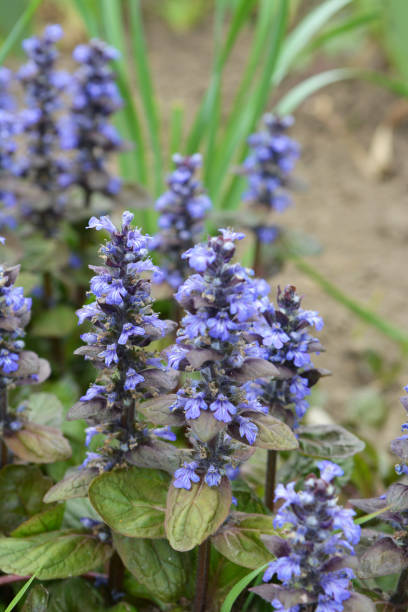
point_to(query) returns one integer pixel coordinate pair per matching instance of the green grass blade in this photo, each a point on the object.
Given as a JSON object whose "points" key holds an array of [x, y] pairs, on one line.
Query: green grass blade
{"points": [[210, 100], [176, 130], [88, 17], [359, 21], [237, 589], [21, 593], [365, 314], [266, 12], [306, 88], [133, 164], [235, 140], [395, 85], [18, 29], [369, 517], [146, 91], [302, 35]]}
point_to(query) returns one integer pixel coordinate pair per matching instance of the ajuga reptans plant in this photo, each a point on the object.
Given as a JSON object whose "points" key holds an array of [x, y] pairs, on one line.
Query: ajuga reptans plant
{"points": [[123, 325], [182, 210]]}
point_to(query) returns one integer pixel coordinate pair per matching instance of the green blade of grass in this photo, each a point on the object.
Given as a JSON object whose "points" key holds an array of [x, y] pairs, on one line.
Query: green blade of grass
{"points": [[249, 115], [88, 17], [365, 314], [302, 35], [369, 517], [266, 12], [358, 21], [309, 86], [18, 29], [176, 129], [237, 589], [133, 164], [146, 91], [204, 114], [21, 593]]}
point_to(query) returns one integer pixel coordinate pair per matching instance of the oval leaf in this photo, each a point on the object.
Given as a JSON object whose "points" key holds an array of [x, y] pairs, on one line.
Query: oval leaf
{"points": [[75, 484], [273, 433], [328, 442], [48, 520], [56, 554], [38, 444], [243, 547], [192, 516], [22, 488], [157, 411], [132, 501], [154, 564]]}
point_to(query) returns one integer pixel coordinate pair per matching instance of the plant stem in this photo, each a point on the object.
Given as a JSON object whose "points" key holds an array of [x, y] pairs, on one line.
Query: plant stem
{"points": [[270, 479], [116, 575], [3, 415], [400, 597], [258, 268], [203, 564]]}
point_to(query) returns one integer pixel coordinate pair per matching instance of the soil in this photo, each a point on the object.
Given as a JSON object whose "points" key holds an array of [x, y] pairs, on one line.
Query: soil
{"points": [[355, 204]]}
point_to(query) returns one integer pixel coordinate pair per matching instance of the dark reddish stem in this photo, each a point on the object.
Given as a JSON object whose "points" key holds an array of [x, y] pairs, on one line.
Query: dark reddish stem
{"points": [[270, 479], [116, 575], [258, 268], [203, 564]]}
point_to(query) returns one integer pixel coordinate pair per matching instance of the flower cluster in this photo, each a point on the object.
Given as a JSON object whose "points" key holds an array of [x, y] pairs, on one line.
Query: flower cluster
{"points": [[87, 130], [123, 325], [42, 166], [268, 166], [182, 210], [222, 302], [6, 100], [8, 130], [400, 445], [287, 342], [15, 311], [311, 559]]}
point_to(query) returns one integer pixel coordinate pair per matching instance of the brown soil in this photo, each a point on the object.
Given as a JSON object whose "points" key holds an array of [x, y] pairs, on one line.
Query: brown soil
{"points": [[359, 218]]}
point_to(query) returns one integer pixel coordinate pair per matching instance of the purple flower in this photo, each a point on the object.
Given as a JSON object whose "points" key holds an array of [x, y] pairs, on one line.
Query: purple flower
{"points": [[199, 257], [110, 354], [103, 223], [329, 470], [183, 477], [132, 379], [194, 405], [90, 433], [321, 531], [165, 433], [8, 361], [129, 330], [213, 476], [223, 409], [93, 391], [247, 429]]}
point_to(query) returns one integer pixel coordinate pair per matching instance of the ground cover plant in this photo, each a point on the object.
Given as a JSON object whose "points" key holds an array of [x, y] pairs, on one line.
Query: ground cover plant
{"points": [[165, 459]]}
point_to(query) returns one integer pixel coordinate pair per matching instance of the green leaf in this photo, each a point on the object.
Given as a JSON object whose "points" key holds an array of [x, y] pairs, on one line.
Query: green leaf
{"points": [[295, 96], [192, 516], [273, 434], [132, 501], [20, 594], [37, 600], [22, 489], [154, 564], [58, 322], [38, 444], [75, 484], [301, 36], [247, 499], [18, 29], [75, 509], [56, 554], [45, 409], [239, 587], [240, 539], [48, 520], [74, 595], [328, 442]]}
